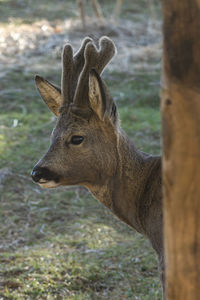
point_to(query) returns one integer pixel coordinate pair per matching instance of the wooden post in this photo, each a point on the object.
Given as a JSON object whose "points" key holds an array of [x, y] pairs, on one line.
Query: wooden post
{"points": [[181, 142]]}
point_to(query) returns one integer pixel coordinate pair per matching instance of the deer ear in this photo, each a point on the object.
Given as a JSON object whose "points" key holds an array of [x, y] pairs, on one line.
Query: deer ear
{"points": [[100, 99], [49, 93], [97, 96]]}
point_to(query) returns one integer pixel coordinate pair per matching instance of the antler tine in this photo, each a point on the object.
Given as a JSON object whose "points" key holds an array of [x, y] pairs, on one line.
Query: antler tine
{"points": [[96, 59], [106, 51], [72, 67], [79, 61], [67, 71]]}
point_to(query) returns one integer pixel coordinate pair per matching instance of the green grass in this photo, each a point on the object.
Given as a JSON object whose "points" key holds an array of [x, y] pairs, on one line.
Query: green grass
{"points": [[62, 243]]}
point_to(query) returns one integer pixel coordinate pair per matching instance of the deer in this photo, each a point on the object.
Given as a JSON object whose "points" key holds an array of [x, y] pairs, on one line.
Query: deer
{"points": [[89, 148]]}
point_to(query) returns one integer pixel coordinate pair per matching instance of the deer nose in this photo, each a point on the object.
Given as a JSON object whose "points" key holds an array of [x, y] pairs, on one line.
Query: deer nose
{"points": [[43, 173], [36, 175]]}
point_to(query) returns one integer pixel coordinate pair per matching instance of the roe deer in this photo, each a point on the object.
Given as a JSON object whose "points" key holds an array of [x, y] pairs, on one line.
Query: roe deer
{"points": [[89, 148]]}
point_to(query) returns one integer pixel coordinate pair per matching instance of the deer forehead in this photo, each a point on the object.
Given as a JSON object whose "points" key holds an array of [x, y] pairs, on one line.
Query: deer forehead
{"points": [[68, 124], [66, 128]]}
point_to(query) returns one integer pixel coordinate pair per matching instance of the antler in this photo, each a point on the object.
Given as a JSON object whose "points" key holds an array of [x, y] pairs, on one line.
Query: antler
{"points": [[94, 59], [72, 67]]}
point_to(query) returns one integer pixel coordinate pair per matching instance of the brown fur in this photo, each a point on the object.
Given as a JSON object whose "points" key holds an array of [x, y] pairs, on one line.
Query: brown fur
{"points": [[124, 179]]}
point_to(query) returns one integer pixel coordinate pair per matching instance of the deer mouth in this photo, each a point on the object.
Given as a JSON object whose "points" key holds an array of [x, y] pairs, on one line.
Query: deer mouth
{"points": [[45, 178], [48, 184]]}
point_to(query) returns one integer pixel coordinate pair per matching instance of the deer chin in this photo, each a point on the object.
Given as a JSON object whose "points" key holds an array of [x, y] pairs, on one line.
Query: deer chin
{"points": [[48, 184]]}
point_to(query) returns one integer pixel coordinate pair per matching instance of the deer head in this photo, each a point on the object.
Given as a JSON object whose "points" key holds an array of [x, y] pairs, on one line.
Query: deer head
{"points": [[84, 142]]}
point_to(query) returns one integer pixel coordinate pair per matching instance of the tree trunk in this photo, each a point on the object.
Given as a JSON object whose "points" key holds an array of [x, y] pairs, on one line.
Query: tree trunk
{"points": [[181, 142], [81, 10], [97, 9], [117, 9]]}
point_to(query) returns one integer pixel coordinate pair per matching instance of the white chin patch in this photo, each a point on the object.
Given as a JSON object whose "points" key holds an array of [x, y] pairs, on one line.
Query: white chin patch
{"points": [[48, 184]]}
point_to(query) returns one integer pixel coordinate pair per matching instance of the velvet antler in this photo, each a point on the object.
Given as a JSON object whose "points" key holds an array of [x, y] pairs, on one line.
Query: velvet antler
{"points": [[94, 59], [72, 67], [75, 74]]}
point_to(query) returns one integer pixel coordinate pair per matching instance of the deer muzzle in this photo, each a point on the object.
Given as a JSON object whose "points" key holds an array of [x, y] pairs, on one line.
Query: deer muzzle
{"points": [[45, 177]]}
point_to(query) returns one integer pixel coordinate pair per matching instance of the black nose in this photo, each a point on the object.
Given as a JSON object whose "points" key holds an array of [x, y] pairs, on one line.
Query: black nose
{"points": [[44, 173], [36, 174]]}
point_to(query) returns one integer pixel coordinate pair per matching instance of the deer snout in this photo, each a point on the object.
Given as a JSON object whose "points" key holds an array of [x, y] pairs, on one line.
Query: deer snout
{"points": [[36, 175], [43, 175]]}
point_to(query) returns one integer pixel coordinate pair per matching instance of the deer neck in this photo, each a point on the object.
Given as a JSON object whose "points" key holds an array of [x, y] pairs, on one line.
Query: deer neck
{"points": [[132, 187]]}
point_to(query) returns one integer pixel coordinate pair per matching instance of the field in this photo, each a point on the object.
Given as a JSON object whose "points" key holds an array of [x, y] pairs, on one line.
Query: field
{"points": [[62, 243]]}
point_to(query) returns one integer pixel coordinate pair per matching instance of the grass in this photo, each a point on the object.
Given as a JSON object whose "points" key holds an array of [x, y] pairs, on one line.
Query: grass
{"points": [[67, 246], [27, 12], [63, 244]]}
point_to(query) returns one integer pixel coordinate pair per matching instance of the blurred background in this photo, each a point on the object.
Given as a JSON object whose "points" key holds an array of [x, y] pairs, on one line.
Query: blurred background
{"points": [[62, 243]]}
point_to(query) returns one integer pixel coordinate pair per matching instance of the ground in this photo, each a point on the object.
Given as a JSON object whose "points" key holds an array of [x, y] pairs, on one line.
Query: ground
{"points": [[62, 243]]}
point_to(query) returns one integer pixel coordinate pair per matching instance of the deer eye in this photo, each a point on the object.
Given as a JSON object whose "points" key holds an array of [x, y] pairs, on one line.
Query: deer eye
{"points": [[76, 140]]}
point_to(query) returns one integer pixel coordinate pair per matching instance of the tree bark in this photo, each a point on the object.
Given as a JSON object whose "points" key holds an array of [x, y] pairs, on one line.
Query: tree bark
{"points": [[180, 107]]}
